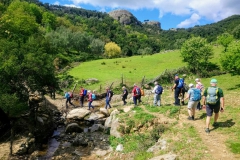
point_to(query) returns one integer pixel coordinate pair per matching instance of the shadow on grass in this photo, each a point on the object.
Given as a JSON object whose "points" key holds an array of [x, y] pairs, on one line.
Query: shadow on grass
{"points": [[233, 88], [202, 116], [227, 124]]}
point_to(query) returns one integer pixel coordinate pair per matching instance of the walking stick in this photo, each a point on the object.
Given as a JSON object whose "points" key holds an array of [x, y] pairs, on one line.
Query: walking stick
{"points": [[179, 109]]}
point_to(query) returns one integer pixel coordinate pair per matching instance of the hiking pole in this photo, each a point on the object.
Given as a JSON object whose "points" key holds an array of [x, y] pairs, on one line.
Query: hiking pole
{"points": [[179, 108]]}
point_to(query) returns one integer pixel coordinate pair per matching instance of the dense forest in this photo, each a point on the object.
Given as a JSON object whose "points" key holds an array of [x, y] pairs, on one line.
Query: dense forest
{"points": [[37, 39]]}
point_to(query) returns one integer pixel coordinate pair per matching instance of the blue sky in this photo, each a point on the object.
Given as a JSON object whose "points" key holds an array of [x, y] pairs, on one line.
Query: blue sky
{"points": [[170, 13]]}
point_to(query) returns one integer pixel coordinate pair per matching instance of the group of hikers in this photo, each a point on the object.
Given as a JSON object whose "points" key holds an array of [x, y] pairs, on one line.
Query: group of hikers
{"points": [[212, 97]]}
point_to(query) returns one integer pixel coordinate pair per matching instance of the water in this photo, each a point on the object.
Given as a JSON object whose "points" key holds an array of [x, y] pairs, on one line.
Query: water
{"points": [[53, 145]]}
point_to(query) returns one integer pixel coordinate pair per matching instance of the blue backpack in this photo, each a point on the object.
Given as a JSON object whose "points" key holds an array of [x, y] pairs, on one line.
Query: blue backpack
{"points": [[84, 92], [180, 83], [159, 90], [138, 91], [93, 96], [196, 94]]}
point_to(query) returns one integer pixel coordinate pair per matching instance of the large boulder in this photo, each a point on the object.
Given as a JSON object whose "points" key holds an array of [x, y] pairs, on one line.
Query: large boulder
{"points": [[112, 122], [73, 127], [78, 114], [124, 17]]}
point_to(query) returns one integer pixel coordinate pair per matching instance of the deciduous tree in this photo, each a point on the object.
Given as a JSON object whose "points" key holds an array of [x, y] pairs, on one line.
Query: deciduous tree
{"points": [[230, 60], [112, 50], [196, 53]]}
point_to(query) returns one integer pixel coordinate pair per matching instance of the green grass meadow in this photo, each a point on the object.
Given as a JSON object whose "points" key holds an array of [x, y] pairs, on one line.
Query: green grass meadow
{"points": [[133, 68]]}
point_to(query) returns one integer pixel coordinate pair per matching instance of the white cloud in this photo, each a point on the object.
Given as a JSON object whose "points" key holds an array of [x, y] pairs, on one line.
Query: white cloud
{"points": [[192, 21], [214, 10], [71, 5], [56, 3]]}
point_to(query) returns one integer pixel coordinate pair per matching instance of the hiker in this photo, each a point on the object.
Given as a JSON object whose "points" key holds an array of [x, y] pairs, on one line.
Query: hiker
{"points": [[136, 92], [108, 98], [124, 95], [194, 96], [178, 86], [157, 90], [68, 98], [199, 86], [90, 100], [82, 94], [213, 100]]}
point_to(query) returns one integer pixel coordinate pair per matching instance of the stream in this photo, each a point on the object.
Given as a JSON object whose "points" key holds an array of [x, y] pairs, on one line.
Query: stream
{"points": [[74, 145]]}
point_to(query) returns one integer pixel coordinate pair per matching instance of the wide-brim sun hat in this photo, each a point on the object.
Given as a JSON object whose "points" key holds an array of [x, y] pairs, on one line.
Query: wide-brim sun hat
{"points": [[213, 81]]}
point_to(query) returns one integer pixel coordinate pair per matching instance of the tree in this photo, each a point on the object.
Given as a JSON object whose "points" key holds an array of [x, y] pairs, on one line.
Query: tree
{"points": [[24, 68], [17, 22], [224, 39], [236, 32], [196, 52], [112, 50], [230, 60], [97, 46]]}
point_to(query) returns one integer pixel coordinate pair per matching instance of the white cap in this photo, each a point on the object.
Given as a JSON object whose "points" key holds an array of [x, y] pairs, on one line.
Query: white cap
{"points": [[191, 85], [197, 79], [155, 82]]}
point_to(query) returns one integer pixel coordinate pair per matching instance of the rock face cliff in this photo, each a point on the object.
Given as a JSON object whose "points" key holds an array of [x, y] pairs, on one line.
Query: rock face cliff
{"points": [[153, 23], [124, 17]]}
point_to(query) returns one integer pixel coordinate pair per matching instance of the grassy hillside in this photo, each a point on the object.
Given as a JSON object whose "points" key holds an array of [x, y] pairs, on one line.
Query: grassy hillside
{"points": [[133, 68]]}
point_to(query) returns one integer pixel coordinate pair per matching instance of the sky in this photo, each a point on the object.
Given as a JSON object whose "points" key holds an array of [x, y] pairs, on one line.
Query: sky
{"points": [[170, 13]]}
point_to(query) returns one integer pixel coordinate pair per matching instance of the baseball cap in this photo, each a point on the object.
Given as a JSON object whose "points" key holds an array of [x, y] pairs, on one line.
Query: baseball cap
{"points": [[213, 81], [191, 85]]}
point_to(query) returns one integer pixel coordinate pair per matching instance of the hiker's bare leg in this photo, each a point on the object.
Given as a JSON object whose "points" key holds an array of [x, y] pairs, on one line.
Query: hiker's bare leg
{"points": [[190, 112], [216, 117], [208, 121], [193, 111]]}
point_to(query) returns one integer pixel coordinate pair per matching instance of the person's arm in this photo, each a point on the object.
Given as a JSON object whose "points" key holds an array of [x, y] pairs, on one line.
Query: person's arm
{"points": [[187, 97], [174, 86], [222, 103], [154, 89], [204, 101]]}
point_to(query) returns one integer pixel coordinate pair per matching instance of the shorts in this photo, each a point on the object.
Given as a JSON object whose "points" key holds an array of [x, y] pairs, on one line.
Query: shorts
{"points": [[212, 108], [192, 104]]}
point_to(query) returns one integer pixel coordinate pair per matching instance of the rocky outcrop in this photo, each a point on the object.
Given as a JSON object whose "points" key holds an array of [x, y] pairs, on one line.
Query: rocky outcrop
{"points": [[78, 114], [153, 23], [124, 17]]}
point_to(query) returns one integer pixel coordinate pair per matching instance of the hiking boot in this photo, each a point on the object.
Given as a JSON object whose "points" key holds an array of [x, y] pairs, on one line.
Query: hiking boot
{"points": [[207, 130], [189, 118], [193, 118], [215, 124]]}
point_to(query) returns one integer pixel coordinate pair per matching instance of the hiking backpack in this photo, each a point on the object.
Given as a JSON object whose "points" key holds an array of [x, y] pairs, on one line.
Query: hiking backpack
{"points": [[159, 90], [111, 93], [142, 92], [93, 96], [84, 92], [212, 95], [70, 94], [185, 87], [180, 83], [138, 91], [196, 94]]}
